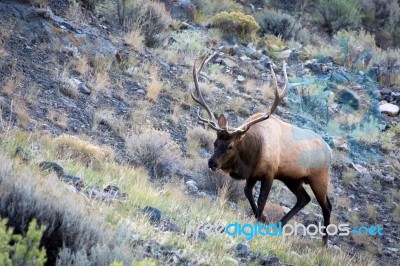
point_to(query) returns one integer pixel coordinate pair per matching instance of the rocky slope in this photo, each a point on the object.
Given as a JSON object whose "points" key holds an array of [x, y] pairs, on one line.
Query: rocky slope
{"points": [[45, 87]]}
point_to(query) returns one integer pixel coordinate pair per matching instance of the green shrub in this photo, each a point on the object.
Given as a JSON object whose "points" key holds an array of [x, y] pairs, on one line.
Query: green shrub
{"points": [[339, 14], [208, 8], [188, 42], [236, 24], [21, 250]]}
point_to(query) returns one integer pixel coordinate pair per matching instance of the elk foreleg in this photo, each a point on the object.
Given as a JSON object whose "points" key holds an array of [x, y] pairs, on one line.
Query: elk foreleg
{"points": [[262, 199], [248, 191]]}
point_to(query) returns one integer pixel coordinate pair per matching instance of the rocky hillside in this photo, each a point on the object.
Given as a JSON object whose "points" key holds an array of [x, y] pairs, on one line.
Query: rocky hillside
{"points": [[100, 141]]}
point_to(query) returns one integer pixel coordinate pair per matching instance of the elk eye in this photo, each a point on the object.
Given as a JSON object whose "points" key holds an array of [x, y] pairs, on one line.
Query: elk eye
{"points": [[230, 147]]}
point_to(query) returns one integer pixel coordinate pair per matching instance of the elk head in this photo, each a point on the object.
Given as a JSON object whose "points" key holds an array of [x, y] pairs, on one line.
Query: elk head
{"points": [[228, 138]]}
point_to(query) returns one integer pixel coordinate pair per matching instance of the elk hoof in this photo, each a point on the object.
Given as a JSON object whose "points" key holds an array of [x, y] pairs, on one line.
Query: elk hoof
{"points": [[262, 219]]}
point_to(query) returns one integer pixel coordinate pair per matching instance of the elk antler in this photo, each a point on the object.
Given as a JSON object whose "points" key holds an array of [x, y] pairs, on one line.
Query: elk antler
{"points": [[200, 100], [213, 122], [278, 97]]}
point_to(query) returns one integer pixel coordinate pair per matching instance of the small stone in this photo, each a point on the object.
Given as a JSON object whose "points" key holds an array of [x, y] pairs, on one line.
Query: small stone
{"points": [[270, 261], [229, 63], [242, 249], [192, 185], [171, 227], [387, 178], [22, 154], [240, 78], [141, 91], [51, 166], [83, 88], [153, 213], [389, 109], [348, 97], [366, 179], [73, 180]]}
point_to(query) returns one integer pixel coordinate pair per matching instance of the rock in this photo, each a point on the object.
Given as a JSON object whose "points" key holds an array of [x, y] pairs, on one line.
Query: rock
{"points": [[22, 154], [51, 166], [114, 191], [165, 66], [240, 78], [270, 261], [171, 227], [83, 88], [242, 249], [153, 213], [141, 91], [366, 179], [192, 186], [339, 77], [340, 143], [73, 180], [387, 178], [285, 209], [237, 51], [376, 94], [201, 235], [315, 67], [100, 195], [284, 54], [389, 109], [348, 97], [229, 63], [183, 10]]}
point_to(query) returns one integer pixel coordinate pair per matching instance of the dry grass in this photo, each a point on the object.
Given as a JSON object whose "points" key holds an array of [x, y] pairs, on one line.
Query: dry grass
{"points": [[135, 39], [100, 79], [74, 13], [155, 85], [82, 151], [22, 114], [154, 150], [176, 114], [59, 118], [154, 89], [140, 116], [205, 138], [11, 84], [108, 118], [81, 65], [3, 52], [273, 212], [251, 86]]}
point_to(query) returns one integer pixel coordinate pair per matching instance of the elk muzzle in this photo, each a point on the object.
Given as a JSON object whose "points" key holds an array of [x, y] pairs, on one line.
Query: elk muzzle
{"points": [[213, 164]]}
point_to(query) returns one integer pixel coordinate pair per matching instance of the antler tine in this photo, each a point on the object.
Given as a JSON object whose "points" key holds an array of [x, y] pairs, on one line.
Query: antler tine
{"points": [[200, 99], [278, 98]]}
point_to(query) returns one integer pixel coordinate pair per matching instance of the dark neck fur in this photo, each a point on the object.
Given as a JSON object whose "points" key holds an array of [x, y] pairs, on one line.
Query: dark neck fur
{"points": [[242, 165]]}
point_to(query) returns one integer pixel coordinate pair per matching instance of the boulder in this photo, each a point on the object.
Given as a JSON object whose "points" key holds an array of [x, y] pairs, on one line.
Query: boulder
{"points": [[389, 109]]}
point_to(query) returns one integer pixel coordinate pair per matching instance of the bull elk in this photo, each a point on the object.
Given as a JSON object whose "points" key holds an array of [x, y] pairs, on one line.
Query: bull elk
{"points": [[265, 148]]}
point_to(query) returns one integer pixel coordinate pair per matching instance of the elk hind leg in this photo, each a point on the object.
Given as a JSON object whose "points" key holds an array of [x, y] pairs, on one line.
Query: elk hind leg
{"points": [[320, 192], [302, 199]]}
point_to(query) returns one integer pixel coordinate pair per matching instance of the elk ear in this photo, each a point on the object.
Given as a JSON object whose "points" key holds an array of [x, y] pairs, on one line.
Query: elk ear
{"points": [[222, 122]]}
